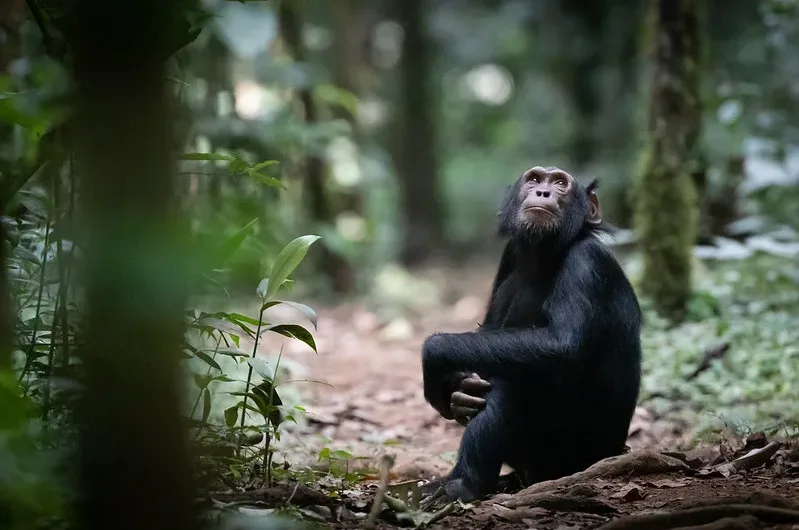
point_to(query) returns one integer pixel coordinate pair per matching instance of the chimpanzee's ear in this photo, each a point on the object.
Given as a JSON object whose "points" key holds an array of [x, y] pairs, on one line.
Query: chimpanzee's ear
{"points": [[594, 212]]}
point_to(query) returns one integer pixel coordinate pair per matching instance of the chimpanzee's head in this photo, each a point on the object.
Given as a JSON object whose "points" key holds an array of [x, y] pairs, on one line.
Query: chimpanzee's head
{"points": [[548, 204]]}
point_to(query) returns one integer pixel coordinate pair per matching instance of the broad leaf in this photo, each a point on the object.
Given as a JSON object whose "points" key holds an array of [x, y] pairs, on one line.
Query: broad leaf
{"points": [[271, 401], [232, 352], [207, 359], [231, 415], [261, 367], [201, 381], [293, 331], [288, 260], [307, 311]]}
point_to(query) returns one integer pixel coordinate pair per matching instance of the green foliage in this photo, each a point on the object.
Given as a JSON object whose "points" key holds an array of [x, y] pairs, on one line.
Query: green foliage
{"points": [[259, 395], [754, 307]]}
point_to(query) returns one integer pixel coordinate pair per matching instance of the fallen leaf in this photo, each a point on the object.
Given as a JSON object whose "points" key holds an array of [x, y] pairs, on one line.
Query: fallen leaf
{"points": [[630, 493]]}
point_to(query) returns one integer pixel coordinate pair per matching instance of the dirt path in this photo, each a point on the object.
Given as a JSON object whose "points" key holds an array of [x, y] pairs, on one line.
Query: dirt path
{"points": [[370, 402], [371, 381]]}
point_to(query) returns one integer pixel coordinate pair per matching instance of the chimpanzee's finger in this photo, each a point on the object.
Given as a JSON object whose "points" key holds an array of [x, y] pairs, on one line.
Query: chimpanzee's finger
{"points": [[475, 385], [463, 421], [459, 399], [464, 411]]}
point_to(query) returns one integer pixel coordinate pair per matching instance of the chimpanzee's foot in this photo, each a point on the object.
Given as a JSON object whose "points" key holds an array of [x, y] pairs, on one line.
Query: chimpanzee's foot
{"points": [[457, 489], [431, 487], [510, 483]]}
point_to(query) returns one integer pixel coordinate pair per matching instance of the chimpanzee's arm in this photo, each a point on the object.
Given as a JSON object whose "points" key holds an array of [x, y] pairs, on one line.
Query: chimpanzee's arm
{"points": [[513, 353]]}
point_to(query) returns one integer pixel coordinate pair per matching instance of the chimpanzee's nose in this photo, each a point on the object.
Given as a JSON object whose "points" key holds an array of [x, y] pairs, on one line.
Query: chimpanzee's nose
{"points": [[542, 193]]}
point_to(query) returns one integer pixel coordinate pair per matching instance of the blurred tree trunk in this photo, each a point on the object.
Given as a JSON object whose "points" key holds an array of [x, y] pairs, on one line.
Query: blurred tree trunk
{"points": [[666, 198], [416, 149], [580, 75], [335, 266], [134, 451]]}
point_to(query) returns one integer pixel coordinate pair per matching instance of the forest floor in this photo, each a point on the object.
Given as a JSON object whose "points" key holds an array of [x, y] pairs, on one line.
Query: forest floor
{"points": [[365, 397]]}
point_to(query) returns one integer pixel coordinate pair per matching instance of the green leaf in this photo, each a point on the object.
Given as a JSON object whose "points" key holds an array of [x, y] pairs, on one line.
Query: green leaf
{"points": [[261, 367], [201, 381], [232, 244], [266, 163], [231, 352], [293, 331], [309, 312], [239, 318], [238, 166], [207, 359], [271, 401], [207, 157], [288, 260], [231, 415], [209, 323], [263, 287], [206, 404]]}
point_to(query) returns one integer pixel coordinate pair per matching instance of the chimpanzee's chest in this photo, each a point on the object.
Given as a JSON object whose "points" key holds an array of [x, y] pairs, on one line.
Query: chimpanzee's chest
{"points": [[519, 302]]}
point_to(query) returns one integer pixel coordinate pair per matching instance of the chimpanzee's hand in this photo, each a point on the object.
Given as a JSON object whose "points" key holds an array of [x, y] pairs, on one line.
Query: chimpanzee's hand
{"points": [[467, 400]]}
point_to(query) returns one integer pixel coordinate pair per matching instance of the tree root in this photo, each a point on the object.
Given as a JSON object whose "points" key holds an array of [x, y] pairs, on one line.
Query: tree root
{"points": [[631, 464], [704, 515], [577, 499], [745, 522]]}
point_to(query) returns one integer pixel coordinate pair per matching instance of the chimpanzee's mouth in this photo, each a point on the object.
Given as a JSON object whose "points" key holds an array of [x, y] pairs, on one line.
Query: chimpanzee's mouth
{"points": [[539, 209]]}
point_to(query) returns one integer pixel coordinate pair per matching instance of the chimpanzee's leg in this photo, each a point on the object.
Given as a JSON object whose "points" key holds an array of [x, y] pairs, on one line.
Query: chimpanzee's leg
{"points": [[482, 450]]}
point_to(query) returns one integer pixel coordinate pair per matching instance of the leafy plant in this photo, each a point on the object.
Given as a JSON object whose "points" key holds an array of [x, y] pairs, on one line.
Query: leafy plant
{"points": [[259, 395]]}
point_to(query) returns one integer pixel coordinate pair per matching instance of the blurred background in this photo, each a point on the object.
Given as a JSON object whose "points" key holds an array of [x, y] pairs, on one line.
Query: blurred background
{"points": [[320, 192]]}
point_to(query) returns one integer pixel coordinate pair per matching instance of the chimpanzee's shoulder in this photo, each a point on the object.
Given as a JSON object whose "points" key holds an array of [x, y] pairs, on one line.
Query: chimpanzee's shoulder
{"points": [[590, 248]]}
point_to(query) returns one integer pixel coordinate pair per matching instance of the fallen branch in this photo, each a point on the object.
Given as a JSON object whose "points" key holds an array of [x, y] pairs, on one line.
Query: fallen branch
{"points": [[711, 354]]}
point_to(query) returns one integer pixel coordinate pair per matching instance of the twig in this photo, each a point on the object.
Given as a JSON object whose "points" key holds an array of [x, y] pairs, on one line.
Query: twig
{"points": [[386, 461], [712, 353]]}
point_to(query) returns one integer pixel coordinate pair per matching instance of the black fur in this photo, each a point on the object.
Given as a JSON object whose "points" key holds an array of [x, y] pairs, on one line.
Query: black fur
{"points": [[560, 345]]}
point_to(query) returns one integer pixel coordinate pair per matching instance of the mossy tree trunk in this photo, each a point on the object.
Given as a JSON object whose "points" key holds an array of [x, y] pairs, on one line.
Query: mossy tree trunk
{"points": [[666, 195]]}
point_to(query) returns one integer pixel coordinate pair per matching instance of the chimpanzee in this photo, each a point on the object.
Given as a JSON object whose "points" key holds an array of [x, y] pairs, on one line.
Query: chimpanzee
{"points": [[558, 354]]}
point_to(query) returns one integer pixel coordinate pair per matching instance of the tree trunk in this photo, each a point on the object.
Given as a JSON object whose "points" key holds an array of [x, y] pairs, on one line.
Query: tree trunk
{"points": [[335, 266], [415, 159], [666, 197], [134, 450]]}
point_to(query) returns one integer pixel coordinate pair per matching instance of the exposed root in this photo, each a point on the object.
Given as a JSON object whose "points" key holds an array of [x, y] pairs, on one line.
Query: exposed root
{"points": [[745, 522], [638, 463], [702, 516], [578, 499]]}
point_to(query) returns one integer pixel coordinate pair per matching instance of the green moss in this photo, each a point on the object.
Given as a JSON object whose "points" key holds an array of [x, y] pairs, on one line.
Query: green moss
{"points": [[666, 219], [666, 199]]}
